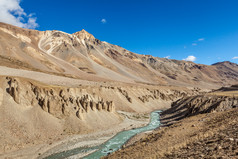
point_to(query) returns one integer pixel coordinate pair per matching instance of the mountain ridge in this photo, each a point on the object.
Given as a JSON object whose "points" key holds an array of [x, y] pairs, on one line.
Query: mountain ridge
{"points": [[83, 56]]}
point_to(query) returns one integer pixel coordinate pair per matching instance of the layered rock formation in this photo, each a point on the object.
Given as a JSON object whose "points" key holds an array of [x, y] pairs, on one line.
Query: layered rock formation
{"points": [[194, 105], [60, 102], [163, 94]]}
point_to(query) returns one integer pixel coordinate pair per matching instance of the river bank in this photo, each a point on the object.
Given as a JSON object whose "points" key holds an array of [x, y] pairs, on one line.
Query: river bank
{"points": [[113, 143], [130, 121]]}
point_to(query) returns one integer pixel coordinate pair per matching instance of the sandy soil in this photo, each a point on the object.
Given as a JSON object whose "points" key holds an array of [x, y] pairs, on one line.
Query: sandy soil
{"points": [[46, 78], [131, 120]]}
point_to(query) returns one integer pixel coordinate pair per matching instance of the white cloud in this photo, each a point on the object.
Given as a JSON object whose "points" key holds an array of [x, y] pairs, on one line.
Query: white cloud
{"points": [[194, 44], [201, 39], [190, 58], [12, 13], [103, 21], [234, 58], [167, 57]]}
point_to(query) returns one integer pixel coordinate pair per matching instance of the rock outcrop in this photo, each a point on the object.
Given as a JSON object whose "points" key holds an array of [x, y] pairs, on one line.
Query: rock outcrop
{"points": [[63, 102], [166, 95], [60, 102], [125, 94], [205, 104], [194, 105]]}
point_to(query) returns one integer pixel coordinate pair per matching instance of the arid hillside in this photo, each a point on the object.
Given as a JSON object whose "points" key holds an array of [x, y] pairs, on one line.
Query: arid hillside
{"points": [[81, 55], [194, 127]]}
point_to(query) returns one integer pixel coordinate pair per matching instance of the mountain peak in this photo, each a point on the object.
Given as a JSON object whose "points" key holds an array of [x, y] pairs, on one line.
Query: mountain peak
{"points": [[224, 62], [83, 34], [84, 31]]}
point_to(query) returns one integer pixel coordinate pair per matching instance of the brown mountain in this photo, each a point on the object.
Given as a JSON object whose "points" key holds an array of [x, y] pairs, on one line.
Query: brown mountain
{"points": [[55, 85], [81, 55]]}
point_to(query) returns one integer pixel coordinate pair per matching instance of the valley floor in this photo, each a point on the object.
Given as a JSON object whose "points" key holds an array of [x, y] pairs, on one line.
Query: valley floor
{"points": [[131, 120]]}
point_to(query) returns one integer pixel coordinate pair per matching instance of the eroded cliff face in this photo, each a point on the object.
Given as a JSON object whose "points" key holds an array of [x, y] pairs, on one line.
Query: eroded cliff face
{"points": [[62, 102], [166, 95], [58, 101], [206, 104], [194, 105]]}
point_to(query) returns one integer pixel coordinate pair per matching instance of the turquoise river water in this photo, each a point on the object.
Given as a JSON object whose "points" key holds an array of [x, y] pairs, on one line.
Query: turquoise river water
{"points": [[112, 144]]}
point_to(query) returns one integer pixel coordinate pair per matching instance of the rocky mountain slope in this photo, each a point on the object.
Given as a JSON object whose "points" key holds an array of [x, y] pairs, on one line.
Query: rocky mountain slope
{"points": [[194, 105], [203, 126], [81, 55], [211, 135]]}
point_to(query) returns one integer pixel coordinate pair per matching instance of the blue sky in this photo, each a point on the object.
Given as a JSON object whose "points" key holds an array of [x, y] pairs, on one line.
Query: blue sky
{"points": [[205, 30]]}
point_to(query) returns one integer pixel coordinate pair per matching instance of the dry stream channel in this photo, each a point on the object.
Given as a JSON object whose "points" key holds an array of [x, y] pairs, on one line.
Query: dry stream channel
{"points": [[112, 144]]}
